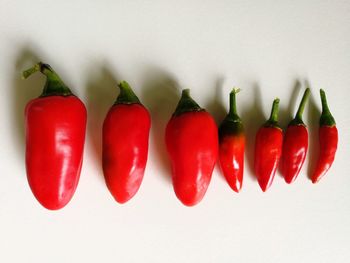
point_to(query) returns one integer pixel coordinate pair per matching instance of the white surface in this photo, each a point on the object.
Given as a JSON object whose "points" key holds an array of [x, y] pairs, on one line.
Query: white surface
{"points": [[263, 47]]}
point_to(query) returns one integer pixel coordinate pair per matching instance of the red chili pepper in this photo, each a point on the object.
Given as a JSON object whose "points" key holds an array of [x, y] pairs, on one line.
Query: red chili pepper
{"points": [[295, 144], [268, 148], [55, 126], [232, 142], [125, 144], [192, 142], [328, 139]]}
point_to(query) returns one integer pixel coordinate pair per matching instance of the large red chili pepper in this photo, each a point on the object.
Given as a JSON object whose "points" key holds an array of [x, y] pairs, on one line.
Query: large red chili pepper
{"points": [[125, 144], [295, 144], [192, 142], [268, 148], [55, 126], [232, 142], [328, 139]]}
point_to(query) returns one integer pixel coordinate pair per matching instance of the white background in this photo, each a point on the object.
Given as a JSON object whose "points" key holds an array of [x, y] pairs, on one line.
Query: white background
{"points": [[263, 47]]}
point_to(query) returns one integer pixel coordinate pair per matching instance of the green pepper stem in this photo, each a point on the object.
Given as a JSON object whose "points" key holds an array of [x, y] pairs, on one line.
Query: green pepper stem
{"points": [[274, 111], [126, 95], [326, 116], [233, 106], [185, 93], [32, 70], [325, 108], [44, 69], [54, 85], [186, 103], [299, 114]]}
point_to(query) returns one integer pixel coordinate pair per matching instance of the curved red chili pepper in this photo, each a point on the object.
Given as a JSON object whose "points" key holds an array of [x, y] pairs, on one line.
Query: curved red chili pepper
{"points": [[192, 142], [328, 139], [231, 146], [55, 126], [125, 144], [268, 148], [295, 144]]}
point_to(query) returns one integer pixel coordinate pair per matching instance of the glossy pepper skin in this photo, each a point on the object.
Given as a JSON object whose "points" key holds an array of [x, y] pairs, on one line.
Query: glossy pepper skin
{"points": [[192, 143], [328, 140], [55, 125], [231, 146], [268, 149], [125, 144], [295, 144]]}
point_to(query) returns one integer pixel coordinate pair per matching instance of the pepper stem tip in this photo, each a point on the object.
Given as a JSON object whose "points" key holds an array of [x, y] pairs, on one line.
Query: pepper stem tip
{"points": [[235, 90], [124, 85], [233, 107], [302, 104], [126, 95], [186, 103], [326, 116], [186, 93], [274, 111], [37, 67], [325, 108]]}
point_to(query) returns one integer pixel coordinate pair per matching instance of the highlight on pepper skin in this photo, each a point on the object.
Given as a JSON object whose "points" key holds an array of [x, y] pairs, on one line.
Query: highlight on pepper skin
{"points": [[191, 139], [231, 146], [328, 141], [125, 144], [268, 148], [55, 125], [295, 144]]}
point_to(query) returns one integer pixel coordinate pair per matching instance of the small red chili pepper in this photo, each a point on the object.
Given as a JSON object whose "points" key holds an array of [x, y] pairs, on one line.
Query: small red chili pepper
{"points": [[125, 144], [192, 142], [268, 148], [295, 144], [232, 142], [55, 126], [328, 140]]}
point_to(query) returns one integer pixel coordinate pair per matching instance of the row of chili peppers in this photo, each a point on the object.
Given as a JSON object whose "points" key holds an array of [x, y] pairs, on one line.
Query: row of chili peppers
{"points": [[55, 126]]}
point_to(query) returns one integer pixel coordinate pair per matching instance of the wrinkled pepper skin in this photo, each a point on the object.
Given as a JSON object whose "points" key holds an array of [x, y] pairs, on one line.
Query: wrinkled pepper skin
{"points": [[328, 140], [125, 145], [55, 125], [268, 149], [295, 145], [231, 146], [192, 143]]}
